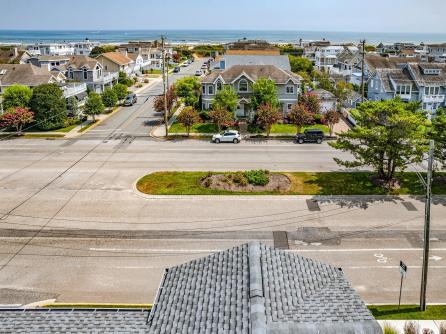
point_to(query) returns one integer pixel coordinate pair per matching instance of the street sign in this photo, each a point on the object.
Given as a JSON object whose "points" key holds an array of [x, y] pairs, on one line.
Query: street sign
{"points": [[403, 269]]}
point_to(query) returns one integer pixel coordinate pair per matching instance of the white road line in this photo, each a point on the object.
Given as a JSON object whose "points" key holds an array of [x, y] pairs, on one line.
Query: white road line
{"points": [[390, 267], [153, 250], [366, 250], [161, 250]]}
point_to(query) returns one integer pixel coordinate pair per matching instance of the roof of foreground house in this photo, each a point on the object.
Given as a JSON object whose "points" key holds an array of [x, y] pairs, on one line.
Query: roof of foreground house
{"points": [[73, 321], [252, 72], [257, 289]]}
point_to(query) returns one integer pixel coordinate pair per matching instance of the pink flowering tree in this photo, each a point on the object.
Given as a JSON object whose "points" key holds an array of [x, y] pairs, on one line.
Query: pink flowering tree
{"points": [[16, 118]]}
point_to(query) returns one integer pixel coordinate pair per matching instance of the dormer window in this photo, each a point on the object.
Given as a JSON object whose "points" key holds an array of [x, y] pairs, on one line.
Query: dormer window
{"points": [[243, 86], [85, 74]]}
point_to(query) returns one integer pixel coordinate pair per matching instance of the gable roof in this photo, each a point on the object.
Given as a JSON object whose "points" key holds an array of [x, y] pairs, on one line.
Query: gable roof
{"points": [[255, 288], [78, 62], [282, 62], [24, 74], [117, 58], [397, 75], [374, 61], [417, 72], [254, 72], [323, 94]]}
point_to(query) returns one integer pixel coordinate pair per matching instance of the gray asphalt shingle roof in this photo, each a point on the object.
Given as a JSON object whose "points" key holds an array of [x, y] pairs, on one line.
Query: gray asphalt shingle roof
{"points": [[248, 289], [73, 321], [254, 288], [282, 62]]}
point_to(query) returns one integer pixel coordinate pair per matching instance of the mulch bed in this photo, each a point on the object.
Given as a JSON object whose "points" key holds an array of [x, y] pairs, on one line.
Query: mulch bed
{"points": [[277, 182]]}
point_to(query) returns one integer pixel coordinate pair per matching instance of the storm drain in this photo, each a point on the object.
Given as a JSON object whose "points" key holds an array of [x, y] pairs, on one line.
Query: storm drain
{"points": [[313, 205], [409, 206], [280, 240]]}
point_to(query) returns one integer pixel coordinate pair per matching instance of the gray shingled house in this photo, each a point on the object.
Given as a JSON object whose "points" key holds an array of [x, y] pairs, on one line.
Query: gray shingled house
{"points": [[249, 289], [257, 289]]}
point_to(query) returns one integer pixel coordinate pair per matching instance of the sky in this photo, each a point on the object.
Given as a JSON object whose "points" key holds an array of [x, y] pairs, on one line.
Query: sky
{"points": [[424, 16]]}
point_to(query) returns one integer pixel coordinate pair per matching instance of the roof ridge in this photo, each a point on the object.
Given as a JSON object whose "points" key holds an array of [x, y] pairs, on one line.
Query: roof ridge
{"points": [[256, 296]]}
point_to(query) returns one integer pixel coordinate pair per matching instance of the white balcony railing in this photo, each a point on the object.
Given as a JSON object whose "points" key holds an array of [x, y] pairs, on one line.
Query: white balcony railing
{"points": [[72, 89], [107, 78], [433, 98]]}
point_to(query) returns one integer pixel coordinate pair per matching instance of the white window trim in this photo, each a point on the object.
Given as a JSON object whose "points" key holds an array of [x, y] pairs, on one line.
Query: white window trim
{"points": [[209, 90]]}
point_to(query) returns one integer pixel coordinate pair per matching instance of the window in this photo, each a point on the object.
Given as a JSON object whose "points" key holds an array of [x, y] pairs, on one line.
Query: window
{"points": [[219, 85], [290, 89], [85, 74], [203, 89], [289, 106], [210, 106], [70, 74], [431, 90], [243, 85], [403, 90], [371, 83], [211, 90]]}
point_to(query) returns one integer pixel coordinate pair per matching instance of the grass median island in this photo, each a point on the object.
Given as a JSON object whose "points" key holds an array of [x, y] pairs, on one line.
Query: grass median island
{"points": [[408, 312], [302, 183]]}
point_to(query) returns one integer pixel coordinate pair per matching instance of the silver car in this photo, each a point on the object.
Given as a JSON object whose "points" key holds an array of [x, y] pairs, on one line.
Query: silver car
{"points": [[228, 136]]}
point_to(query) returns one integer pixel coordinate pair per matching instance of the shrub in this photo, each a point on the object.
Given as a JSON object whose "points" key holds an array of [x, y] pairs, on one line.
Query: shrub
{"points": [[411, 327], [388, 329], [207, 182], [258, 177], [428, 331], [204, 115], [240, 179]]}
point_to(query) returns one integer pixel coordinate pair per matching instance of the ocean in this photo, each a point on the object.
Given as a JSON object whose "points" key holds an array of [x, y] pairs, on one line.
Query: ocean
{"points": [[211, 36]]}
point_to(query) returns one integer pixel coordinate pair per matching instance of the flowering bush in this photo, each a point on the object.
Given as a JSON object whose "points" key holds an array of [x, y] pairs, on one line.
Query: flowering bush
{"points": [[17, 118]]}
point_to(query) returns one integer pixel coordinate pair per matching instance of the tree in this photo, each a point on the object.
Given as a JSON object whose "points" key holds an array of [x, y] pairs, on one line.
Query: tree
{"points": [[189, 88], [267, 115], [342, 90], [300, 116], [98, 50], [437, 132], [264, 91], [109, 98], [121, 91], [49, 107], [188, 117], [311, 103], [226, 98], [323, 80], [176, 57], [72, 105], [158, 102], [124, 79], [220, 116], [332, 118], [300, 64], [94, 105], [388, 137], [16, 96], [17, 118]]}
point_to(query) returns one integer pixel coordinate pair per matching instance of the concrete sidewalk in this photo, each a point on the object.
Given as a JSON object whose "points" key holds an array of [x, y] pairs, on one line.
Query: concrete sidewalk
{"points": [[160, 131]]}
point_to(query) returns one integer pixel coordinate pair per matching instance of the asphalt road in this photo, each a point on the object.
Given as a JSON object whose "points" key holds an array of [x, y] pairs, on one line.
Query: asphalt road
{"points": [[73, 228], [139, 119]]}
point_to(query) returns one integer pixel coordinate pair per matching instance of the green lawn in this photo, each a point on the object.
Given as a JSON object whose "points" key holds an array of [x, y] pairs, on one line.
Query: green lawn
{"points": [[303, 183], [408, 312], [68, 128], [197, 128]]}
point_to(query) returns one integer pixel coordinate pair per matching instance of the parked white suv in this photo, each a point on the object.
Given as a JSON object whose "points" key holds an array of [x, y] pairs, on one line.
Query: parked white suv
{"points": [[228, 136]]}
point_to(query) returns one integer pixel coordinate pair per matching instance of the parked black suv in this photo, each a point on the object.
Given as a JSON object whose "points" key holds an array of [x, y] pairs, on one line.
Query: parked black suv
{"points": [[316, 136]]}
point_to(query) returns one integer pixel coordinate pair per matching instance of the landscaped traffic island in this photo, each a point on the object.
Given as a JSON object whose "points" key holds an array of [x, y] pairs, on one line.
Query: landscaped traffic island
{"points": [[260, 182]]}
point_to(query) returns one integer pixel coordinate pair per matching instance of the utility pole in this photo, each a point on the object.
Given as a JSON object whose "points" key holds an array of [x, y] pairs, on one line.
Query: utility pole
{"points": [[164, 85], [362, 71], [427, 222]]}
